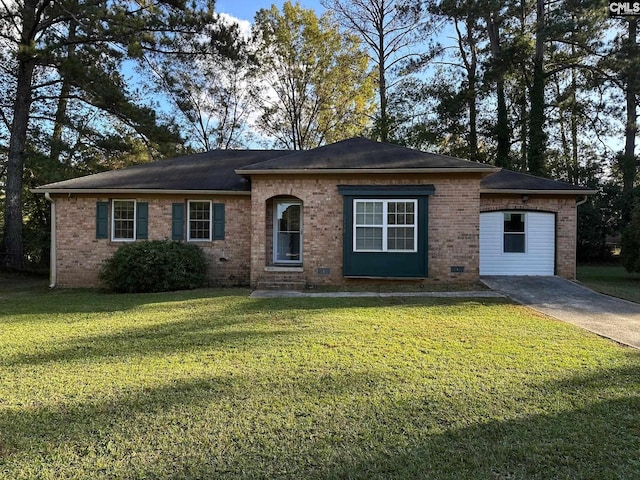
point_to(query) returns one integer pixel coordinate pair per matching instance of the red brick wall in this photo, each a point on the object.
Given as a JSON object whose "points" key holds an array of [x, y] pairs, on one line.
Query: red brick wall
{"points": [[566, 222], [453, 227], [80, 255]]}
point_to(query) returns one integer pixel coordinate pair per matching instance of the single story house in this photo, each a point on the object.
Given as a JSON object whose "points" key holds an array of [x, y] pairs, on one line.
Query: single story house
{"points": [[353, 211]]}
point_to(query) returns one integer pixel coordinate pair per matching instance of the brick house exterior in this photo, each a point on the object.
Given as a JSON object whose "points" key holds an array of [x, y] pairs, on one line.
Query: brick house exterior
{"points": [[351, 212]]}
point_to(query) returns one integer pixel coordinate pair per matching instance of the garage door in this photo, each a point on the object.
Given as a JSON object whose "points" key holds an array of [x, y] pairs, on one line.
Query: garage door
{"points": [[517, 243]]}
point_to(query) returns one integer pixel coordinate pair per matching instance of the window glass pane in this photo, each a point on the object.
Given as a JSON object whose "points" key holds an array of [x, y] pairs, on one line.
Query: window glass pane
{"points": [[400, 213], [288, 235], [289, 217], [123, 219], [369, 238], [514, 223], [400, 238], [200, 220], [514, 243], [288, 246], [369, 213]]}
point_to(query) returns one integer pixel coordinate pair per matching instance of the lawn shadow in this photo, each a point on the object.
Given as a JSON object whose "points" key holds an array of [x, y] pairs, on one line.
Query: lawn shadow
{"points": [[332, 303], [177, 335], [599, 439], [79, 300], [89, 428]]}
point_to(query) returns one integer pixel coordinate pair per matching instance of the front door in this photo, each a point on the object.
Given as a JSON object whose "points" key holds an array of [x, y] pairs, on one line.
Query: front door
{"points": [[287, 232]]}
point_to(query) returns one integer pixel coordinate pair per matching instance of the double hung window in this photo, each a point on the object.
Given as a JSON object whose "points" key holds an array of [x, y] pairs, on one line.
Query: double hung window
{"points": [[200, 220], [385, 225], [514, 233], [287, 232], [123, 227]]}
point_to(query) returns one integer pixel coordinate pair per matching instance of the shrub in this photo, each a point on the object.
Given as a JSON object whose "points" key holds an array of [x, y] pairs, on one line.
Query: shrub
{"points": [[154, 266], [631, 243]]}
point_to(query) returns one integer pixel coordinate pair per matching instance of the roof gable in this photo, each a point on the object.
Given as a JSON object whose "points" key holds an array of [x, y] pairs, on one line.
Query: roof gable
{"points": [[361, 154]]}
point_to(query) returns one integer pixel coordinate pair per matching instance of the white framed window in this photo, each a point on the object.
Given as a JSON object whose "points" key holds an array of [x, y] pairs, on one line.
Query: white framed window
{"points": [[385, 225], [200, 221], [287, 232], [123, 223], [514, 233]]}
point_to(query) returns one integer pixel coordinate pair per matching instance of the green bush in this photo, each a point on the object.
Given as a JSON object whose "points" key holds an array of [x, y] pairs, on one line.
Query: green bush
{"points": [[631, 243], [154, 266]]}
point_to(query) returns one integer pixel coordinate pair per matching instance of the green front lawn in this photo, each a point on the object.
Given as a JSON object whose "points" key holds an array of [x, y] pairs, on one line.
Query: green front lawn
{"points": [[212, 384], [613, 280]]}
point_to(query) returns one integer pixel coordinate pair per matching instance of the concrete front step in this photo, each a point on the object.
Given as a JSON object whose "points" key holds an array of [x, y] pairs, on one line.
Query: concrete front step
{"points": [[282, 285]]}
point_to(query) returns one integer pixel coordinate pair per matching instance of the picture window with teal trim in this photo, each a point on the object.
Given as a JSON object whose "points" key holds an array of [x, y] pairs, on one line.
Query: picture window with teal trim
{"points": [[385, 230]]}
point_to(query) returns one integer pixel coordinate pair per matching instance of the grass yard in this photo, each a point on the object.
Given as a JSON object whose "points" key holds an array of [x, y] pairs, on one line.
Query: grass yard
{"points": [[212, 384], [613, 280]]}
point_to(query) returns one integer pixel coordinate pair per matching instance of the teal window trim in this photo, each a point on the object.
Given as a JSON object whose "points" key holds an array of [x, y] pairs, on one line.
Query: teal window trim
{"points": [[142, 221], [218, 221], [102, 220], [385, 264], [386, 191], [177, 221]]}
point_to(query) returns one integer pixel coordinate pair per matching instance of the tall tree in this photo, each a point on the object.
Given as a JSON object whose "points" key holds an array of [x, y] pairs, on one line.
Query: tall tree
{"points": [[78, 45], [498, 67], [210, 95], [465, 19], [628, 160], [320, 89], [537, 135], [390, 29]]}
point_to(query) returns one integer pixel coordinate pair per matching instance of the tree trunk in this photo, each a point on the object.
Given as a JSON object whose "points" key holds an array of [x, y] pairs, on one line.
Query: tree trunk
{"points": [[537, 137], [63, 100], [383, 128], [631, 127], [502, 130], [13, 245], [627, 161]]}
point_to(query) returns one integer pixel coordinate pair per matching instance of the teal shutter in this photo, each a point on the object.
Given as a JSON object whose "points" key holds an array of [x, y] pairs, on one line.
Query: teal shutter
{"points": [[102, 219], [218, 221], [142, 220], [177, 221]]}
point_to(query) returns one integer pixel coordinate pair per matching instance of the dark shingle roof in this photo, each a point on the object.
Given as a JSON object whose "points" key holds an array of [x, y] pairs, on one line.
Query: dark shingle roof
{"points": [[357, 154], [208, 171], [507, 180], [223, 170]]}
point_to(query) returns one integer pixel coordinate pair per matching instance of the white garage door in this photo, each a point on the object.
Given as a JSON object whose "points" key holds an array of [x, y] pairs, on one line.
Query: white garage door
{"points": [[517, 243]]}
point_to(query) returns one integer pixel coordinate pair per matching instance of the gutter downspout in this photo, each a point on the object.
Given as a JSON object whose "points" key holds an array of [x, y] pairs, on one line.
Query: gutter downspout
{"points": [[52, 254], [580, 202]]}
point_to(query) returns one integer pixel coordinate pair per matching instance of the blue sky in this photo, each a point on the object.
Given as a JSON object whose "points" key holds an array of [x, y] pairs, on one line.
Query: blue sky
{"points": [[246, 9]]}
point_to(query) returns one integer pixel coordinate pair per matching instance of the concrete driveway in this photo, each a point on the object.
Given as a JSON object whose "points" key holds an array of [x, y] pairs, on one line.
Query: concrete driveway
{"points": [[609, 317]]}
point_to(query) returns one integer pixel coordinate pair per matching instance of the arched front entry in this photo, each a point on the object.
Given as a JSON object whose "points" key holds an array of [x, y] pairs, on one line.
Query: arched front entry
{"points": [[517, 242]]}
